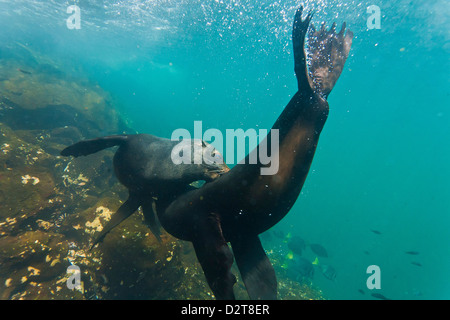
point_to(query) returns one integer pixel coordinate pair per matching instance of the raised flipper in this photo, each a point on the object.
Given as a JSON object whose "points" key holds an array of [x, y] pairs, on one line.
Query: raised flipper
{"points": [[125, 210], [299, 31], [327, 53], [256, 270], [86, 147], [214, 256], [150, 216]]}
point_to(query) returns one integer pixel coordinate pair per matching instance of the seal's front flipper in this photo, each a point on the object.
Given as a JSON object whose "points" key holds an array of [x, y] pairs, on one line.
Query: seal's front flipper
{"points": [[256, 270], [214, 256], [327, 53], [150, 216], [299, 31], [86, 147], [125, 210]]}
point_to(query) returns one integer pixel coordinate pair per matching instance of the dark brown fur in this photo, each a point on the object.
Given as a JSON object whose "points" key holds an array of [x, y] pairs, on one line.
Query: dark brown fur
{"points": [[243, 203]]}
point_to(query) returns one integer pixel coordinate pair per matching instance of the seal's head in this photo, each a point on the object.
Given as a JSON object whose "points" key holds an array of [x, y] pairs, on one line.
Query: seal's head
{"points": [[212, 160]]}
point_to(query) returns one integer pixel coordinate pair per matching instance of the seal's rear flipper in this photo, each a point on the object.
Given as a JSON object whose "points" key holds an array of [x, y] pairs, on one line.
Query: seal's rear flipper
{"points": [[83, 148], [256, 270], [125, 210], [214, 256], [150, 216]]}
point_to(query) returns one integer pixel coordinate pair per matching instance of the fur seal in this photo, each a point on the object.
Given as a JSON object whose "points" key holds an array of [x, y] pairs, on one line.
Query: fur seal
{"points": [[238, 204], [143, 164], [243, 203]]}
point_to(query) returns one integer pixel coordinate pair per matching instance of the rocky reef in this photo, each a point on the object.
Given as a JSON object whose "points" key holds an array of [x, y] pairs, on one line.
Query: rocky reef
{"points": [[51, 207]]}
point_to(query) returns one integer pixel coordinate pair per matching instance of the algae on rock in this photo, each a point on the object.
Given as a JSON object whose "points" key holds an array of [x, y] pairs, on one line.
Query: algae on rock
{"points": [[52, 207]]}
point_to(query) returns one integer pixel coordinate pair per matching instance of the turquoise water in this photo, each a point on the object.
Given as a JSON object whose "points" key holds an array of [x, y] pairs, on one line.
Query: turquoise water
{"points": [[382, 160]]}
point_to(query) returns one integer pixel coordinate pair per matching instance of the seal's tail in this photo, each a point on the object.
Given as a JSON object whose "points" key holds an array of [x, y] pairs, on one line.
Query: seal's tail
{"points": [[86, 147]]}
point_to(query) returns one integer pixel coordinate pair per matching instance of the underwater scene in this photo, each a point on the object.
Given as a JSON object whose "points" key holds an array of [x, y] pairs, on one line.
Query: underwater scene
{"points": [[169, 149]]}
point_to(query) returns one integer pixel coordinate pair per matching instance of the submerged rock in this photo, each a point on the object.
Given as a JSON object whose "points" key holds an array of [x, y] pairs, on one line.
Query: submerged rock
{"points": [[29, 259], [26, 183], [52, 207]]}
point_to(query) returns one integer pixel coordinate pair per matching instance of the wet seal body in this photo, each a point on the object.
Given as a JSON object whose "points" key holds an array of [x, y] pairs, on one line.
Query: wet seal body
{"points": [[242, 203], [143, 164]]}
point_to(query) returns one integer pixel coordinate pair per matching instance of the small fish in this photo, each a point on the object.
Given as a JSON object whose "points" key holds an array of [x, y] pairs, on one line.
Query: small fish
{"points": [[197, 184], [316, 261], [304, 267], [298, 268], [379, 296], [296, 245], [287, 237], [24, 71], [319, 250], [328, 271], [375, 231], [414, 253], [416, 263], [290, 255]]}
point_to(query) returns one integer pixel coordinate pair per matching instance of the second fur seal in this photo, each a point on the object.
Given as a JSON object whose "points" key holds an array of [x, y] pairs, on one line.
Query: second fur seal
{"points": [[143, 163]]}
